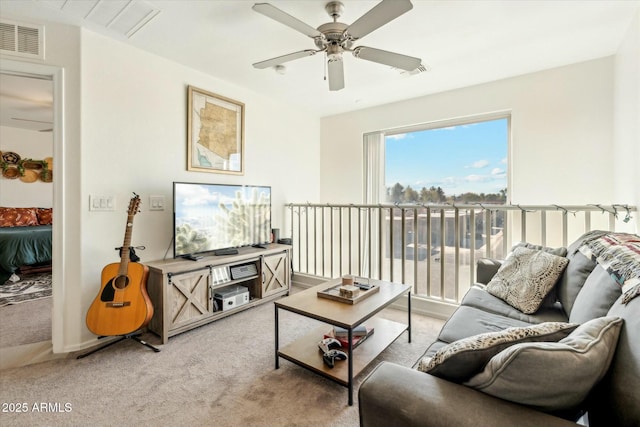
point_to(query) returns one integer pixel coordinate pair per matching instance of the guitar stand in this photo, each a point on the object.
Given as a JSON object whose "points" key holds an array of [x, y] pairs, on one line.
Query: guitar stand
{"points": [[134, 336]]}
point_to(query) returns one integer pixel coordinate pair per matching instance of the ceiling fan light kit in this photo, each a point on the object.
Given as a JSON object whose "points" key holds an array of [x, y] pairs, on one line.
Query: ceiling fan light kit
{"points": [[335, 38]]}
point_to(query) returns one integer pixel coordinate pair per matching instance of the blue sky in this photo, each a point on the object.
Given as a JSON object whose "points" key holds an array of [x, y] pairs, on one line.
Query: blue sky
{"points": [[460, 159]]}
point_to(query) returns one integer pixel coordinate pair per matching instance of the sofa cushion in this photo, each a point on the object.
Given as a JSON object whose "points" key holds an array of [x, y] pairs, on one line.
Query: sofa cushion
{"points": [[574, 276], [526, 277], [552, 377], [464, 358], [614, 402], [469, 321], [596, 297], [486, 268], [479, 298]]}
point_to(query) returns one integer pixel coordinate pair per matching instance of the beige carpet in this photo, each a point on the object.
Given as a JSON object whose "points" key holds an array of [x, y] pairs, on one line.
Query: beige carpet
{"points": [[221, 374], [25, 323]]}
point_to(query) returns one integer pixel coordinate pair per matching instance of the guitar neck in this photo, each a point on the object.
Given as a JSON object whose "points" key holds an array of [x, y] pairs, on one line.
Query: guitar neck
{"points": [[124, 252]]}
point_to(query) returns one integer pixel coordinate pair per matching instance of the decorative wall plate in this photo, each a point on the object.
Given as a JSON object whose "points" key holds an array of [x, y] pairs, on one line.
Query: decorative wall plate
{"points": [[29, 176], [33, 164], [11, 173], [46, 175], [10, 157]]}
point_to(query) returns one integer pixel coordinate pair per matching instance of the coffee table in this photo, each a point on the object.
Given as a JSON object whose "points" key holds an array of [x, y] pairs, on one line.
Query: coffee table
{"points": [[305, 352]]}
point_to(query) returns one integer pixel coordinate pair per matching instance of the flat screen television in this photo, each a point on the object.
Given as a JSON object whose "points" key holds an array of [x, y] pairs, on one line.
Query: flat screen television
{"points": [[213, 217]]}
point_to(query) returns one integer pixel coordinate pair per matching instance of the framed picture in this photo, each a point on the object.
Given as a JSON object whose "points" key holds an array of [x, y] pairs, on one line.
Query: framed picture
{"points": [[215, 135]]}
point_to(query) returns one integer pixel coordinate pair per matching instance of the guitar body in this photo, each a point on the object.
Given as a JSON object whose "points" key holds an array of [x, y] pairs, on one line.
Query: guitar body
{"points": [[122, 306]]}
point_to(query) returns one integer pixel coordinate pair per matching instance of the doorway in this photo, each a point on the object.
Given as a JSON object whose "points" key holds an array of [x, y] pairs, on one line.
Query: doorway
{"points": [[54, 76], [26, 143]]}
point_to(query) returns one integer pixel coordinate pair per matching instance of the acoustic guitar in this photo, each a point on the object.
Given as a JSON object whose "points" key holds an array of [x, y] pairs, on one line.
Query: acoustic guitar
{"points": [[123, 305]]}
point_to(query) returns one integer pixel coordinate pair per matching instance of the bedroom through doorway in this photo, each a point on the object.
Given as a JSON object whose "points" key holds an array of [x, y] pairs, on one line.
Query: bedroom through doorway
{"points": [[26, 200]]}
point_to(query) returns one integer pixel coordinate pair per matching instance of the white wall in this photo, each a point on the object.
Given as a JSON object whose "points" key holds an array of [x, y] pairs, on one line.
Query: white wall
{"points": [[28, 144], [627, 117], [124, 130], [134, 121], [562, 134]]}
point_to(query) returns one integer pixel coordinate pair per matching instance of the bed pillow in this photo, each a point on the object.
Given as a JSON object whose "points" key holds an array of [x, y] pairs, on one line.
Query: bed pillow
{"points": [[464, 358], [526, 277], [18, 217], [552, 377], [45, 216]]}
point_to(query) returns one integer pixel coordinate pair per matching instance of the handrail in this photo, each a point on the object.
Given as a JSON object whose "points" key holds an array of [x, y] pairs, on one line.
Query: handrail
{"points": [[433, 247]]}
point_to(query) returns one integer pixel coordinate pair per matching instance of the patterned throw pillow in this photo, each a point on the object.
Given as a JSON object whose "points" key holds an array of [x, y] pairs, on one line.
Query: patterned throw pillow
{"points": [[45, 216], [526, 277], [18, 217], [464, 358]]}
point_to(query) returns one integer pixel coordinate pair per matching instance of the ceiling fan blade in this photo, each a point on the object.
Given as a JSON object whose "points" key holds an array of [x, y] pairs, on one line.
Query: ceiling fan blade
{"points": [[404, 62], [336, 74], [284, 58], [382, 13], [284, 18]]}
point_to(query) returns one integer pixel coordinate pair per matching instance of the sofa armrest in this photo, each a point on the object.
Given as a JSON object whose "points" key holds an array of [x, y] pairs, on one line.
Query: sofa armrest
{"points": [[394, 395], [486, 268]]}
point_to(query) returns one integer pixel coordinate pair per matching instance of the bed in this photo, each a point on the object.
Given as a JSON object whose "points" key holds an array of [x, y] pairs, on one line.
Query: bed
{"points": [[24, 245]]}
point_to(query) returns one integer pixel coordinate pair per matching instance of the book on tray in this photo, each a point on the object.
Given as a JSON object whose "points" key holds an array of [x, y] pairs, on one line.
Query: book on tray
{"points": [[337, 333]]}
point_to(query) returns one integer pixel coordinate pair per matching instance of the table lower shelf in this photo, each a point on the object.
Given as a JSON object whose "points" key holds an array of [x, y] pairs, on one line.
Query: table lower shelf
{"points": [[305, 351]]}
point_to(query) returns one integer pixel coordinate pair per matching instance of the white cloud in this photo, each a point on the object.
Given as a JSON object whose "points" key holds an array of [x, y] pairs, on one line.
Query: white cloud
{"points": [[397, 136], [478, 164], [497, 171]]}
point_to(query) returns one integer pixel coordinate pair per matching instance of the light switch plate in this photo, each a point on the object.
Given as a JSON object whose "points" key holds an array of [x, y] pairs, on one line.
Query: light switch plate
{"points": [[156, 203], [102, 203]]}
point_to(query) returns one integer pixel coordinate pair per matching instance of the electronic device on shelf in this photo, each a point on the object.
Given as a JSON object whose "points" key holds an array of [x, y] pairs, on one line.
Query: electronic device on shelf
{"points": [[243, 271], [219, 218], [231, 297]]}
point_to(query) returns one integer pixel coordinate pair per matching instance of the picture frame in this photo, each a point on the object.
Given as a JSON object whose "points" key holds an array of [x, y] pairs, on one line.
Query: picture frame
{"points": [[215, 133]]}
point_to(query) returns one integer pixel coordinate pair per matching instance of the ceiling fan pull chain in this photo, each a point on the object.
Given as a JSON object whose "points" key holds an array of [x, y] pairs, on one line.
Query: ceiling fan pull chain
{"points": [[324, 65]]}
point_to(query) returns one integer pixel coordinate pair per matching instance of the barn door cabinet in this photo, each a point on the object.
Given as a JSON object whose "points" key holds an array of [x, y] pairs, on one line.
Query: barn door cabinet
{"points": [[183, 292]]}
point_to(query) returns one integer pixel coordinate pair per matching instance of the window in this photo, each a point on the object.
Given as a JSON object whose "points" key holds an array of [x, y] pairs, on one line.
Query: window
{"points": [[448, 162]]}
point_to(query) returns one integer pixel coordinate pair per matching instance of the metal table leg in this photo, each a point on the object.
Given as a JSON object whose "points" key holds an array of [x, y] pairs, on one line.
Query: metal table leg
{"points": [[277, 338]]}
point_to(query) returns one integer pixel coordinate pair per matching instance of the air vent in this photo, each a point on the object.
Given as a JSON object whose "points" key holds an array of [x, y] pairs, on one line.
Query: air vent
{"points": [[23, 40], [124, 17]]}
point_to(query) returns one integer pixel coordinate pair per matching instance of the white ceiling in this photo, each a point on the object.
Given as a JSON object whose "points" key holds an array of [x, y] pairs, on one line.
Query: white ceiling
{"points": [[462, 42]]}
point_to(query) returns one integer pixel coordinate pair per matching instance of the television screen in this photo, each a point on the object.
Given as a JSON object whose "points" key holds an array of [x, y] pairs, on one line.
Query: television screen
{"points": [[208, 217]]}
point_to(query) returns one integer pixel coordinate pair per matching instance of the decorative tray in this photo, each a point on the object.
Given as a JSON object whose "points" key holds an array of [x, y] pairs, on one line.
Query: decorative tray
{"points": [[333, 292]]}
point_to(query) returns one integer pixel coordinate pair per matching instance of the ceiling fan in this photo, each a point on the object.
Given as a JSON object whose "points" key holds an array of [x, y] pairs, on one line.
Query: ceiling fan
{"points": [[335, 38]]}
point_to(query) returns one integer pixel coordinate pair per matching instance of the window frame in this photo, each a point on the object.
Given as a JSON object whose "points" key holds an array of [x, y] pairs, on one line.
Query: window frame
{"points": [[374, 187]]}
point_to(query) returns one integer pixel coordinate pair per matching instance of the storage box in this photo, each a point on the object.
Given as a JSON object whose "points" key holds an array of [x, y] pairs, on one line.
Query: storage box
{"points": [[230, 297]]}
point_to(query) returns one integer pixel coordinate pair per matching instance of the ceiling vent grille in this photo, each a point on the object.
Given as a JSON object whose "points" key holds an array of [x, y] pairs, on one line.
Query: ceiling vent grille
{"points": [[23, 40]]}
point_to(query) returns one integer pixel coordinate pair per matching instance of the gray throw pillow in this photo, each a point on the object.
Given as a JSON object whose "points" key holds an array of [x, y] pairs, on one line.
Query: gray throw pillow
{"points": [[526, 277], [596, 297], [466, 357], [552, 377]]}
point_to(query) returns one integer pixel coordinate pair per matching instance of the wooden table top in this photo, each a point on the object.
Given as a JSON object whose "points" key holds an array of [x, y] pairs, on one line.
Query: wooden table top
{"points": [[307, 303]]}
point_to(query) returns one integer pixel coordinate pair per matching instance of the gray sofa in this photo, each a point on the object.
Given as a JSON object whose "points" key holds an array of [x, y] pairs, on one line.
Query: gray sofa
{"points": [[394, 395]]}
